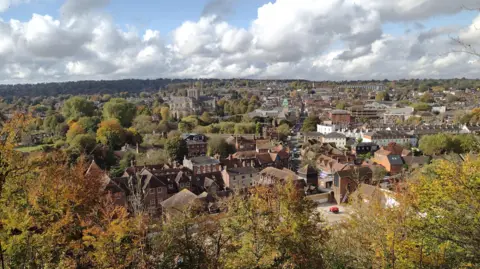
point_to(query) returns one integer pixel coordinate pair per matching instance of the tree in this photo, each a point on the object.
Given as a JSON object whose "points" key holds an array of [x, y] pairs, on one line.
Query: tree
{"points": [[275, 228], [380, 96], [89, 124], [421, 107], [258, 128], [176, 148], [448, 196], [427, 98], [83, 143], [423, 87], [310, 124], [75, 129], [144, 124], [133, 137], [61, 219], [218, 145], [206, 118], [77, 107], [120, 109], [434, 144], [51, 122], [111, 134], [283, 130], [341, 105], [165, 113]]}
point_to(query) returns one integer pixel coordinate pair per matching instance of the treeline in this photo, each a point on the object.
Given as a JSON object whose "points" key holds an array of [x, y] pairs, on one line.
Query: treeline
{"points": [[85, 87]]}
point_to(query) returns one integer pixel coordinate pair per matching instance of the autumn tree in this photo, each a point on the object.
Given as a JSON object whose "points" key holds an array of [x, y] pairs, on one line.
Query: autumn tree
{"points": [[165, 113], [447, 195], [111, 134], [73, 131], [275, 228]]}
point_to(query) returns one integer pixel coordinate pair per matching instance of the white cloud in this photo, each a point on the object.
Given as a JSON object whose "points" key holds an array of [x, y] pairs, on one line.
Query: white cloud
{"points": [[335, 39]]}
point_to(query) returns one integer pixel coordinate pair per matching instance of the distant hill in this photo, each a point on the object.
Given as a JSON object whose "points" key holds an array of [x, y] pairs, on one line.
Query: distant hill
{"points": [[85, 87]]}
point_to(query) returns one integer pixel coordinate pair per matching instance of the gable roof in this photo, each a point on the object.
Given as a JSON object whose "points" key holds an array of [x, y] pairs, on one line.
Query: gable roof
{"points": [[361, 172], [180, 200], [335, 135]]}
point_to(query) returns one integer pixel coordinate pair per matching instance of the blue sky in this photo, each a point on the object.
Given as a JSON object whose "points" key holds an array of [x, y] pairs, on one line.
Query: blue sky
{"points": [[166, 15], [163, 15], [311, 39]]}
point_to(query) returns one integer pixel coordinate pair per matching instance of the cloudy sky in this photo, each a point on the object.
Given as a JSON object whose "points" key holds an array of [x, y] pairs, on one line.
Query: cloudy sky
{"points": [[54, 40]]}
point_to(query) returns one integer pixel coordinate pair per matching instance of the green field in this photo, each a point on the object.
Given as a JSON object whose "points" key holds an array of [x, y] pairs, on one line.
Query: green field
{"points": [[30, 149]]}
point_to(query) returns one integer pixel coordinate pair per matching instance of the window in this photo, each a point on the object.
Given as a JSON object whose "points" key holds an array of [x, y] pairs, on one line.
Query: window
{"points": [[243, 177], [159, 190], [151, 191], [152, 202]]}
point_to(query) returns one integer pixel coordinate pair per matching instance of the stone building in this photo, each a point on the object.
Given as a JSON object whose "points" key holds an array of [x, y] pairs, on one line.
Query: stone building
{"points": [[193, 104]]}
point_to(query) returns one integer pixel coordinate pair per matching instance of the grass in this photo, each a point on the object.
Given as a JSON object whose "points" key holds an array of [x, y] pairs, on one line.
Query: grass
{"points": [[30, 149]]}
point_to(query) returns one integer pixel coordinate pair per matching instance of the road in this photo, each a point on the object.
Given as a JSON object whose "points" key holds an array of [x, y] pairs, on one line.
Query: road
{"points": [[333, 218]]}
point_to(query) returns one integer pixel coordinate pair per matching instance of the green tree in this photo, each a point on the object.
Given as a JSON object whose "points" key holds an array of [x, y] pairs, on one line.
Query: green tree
{"points": [[423, 87], [380, 96], [283, 130], [435, 144], [144, 124], [176, 148], [218, 145], [206, 118], [111, 134], [89, 124], [421, 107], [341, 105], [120, 109], [258, 128], [310, 124], [77, 107], [51, 122], [427, 98], [83, 143]]}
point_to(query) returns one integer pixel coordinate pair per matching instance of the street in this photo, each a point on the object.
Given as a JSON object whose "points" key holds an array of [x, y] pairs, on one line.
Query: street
{"points": [[333, 218]]}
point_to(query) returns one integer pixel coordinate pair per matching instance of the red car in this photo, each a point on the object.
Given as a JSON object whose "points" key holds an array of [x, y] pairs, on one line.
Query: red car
{"points": [[334, 209]]}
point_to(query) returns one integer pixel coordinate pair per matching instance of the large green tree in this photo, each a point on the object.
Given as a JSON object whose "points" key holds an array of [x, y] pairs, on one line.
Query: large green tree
{"points": [[176, 148], [218, 145], [77, 107], [310, 124], [120, 109]]}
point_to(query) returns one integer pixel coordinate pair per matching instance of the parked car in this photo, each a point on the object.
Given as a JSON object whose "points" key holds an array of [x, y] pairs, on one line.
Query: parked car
{"points": [[334, 209]]}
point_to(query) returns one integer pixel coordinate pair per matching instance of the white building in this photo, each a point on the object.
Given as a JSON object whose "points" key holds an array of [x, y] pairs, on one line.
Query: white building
{"points": [[339, 139], [326, 128], [383, 138]]}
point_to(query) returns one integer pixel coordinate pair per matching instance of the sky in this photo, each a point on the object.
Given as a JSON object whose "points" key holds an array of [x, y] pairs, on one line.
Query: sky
{"points": [[63, 40]]}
